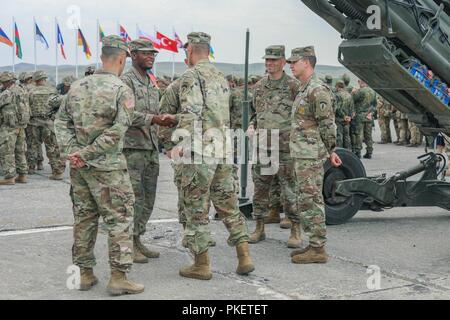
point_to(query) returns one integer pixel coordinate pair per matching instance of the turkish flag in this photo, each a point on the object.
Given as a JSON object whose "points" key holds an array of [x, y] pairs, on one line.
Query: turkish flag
{"points": [[166, 43]]}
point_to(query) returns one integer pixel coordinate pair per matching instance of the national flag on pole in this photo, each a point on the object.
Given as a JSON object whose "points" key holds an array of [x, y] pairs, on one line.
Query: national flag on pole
{"points": [[145, 36], [180, 43], [211, 52], [167, 43], [101, 34], [4, 38], [40, 37], [17, 42], [124, 34], [152, 77], [83, 43], [61, 42]]}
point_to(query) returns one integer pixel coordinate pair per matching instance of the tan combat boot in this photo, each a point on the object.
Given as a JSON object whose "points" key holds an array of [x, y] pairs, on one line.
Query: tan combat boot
{"points": [[245, 265], [57, 176], [295, 239], [119, 284], [259, 233], [310, 255], [144, 250], [273, 217], [8, 182], [87, 279], [200, 270], [286, 223], [138, 256], [40, 166], [22, 179]]}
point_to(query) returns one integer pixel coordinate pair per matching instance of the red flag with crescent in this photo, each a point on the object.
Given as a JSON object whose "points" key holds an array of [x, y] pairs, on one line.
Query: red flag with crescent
{"points": [[167, 43]]}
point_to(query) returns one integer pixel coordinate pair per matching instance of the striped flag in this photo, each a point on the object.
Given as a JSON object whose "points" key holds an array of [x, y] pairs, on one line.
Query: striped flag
{"points": [[61, 42], [83, 43], [177, 38], [4, 38], [17, 42], [124, 34], [101, 34], [40, 37]]}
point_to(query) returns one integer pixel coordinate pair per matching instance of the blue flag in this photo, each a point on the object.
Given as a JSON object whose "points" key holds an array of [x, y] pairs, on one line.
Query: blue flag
{"points": [[40, 37]]}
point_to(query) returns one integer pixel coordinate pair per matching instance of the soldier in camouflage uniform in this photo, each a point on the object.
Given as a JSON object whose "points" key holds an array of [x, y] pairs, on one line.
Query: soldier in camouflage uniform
{"points": [[416, 136], [313, 140], [42, 126], [405, 135], [14, 117], [91, 126], [56, 99], [346, 78], [141, 142], [329, 80], [89, 71], [345, 111], [273, 97], [365, 100], [384, 110], [204, 99]]}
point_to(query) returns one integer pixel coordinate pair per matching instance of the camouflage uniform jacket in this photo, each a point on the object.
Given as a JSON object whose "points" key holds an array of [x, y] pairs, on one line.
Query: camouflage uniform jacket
{"points": [[204, 97], [344, 105], [313, 132], [93, 119], [169, 104], [365, 100], [142, 135], [39, 97], [237, 106], [272, 101], [384, 107], [14, 108]]}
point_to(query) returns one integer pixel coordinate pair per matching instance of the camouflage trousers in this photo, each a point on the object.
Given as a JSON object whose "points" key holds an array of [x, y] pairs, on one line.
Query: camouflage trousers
{"points": [[397, 128], [44, 130], [343, 135], [416, 136], [263, 185], [200, 184], [364, 133], [178, 174], [39, 156], [143, 167], [109, 195], [275, 202], [405, 135], [309, 175], [385, 128], [13, 149]]}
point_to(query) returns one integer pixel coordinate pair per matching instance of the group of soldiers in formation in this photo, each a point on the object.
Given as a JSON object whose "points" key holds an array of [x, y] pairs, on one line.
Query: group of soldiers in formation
{"points": [[110, 125]]}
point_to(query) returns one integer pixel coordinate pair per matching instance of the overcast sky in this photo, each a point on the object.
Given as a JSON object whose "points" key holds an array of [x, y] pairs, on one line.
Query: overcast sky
{"points": [[287, 22]]}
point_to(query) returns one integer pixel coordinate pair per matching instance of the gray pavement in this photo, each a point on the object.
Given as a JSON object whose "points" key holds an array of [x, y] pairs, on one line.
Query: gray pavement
{"points": [[410, 246]]}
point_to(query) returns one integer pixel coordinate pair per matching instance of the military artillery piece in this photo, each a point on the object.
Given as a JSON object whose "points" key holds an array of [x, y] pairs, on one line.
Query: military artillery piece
{"points": [[406, 59]]}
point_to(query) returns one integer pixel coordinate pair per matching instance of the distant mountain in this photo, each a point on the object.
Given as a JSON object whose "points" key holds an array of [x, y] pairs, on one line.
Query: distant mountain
{"points": [[165, 69]]}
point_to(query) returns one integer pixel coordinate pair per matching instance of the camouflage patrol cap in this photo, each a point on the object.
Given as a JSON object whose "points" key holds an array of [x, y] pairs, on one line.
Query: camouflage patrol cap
{"points": [[328, 78], [299, 53], [340, 84], [67, 81], [346, 77], [25, 76], [39, 75], [198, 37], [142, 45], [114, 41], [7, 76], [275, 52]]}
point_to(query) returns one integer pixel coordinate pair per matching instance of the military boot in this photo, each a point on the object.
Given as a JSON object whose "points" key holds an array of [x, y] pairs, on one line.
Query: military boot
{"points": [[40, 166], [138, 256], [144, 250], [8, 182], [22, 178], [57, 176], [310, 255], [273, 217], [87, 279], [295, 239], [119, 284], [259, 233], [245, 265], [31, 170], [368, 156], [285, 223], [200, 270]]}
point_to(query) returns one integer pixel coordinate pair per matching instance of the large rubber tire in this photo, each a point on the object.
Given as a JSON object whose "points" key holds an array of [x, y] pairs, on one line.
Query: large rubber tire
{"points": [[339, 210]]}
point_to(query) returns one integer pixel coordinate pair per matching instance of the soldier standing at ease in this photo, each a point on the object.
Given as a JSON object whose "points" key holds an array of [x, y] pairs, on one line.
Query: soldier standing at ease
{"points": [[91, 126], [14, 117], [141, 142], [313, 140], [204, 99], [365, 100], [345, 111], [273, 97], [384, 110]]}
